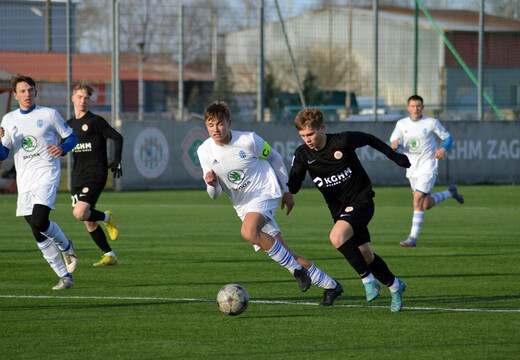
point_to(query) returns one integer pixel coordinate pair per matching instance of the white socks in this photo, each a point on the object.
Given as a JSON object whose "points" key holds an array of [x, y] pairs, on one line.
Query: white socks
{"points": [[279, 254], [395, 286], [417, 221], [55, 234], [53, 256], [441, 196], [320, 279]]}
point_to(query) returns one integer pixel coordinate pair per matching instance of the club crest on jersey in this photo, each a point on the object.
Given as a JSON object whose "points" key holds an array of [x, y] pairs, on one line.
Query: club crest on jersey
{"points": [[29, 143], [39, 123], [236, 176], [242, 154], [84, 127], [338, 155], [349, 209], [85, 190]]}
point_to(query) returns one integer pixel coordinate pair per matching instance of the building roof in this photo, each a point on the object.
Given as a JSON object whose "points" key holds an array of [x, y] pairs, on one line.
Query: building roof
{"points": [[52, 67], [452, 20]]}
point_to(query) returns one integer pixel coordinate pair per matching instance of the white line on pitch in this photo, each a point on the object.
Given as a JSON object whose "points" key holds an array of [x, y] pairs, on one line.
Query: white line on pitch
{"points": [[252, 301]]}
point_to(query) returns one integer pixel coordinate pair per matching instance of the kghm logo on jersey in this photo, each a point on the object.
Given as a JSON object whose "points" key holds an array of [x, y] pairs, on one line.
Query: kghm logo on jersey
{"points": [[29, 143], [334, 179], [236, 176]]}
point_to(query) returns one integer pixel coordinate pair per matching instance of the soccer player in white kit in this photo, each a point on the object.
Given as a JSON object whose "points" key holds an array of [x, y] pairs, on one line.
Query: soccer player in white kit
{"points": [[32, 132], [416, 136], [251, 172]]}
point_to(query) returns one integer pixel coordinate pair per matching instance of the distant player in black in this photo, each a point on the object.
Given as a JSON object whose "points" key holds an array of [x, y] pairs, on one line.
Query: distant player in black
{"points": [[337, 172], [90, 170]]}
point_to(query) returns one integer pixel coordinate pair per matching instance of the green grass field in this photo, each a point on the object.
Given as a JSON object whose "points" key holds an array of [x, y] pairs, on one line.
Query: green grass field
{"points": [[177, 248]]}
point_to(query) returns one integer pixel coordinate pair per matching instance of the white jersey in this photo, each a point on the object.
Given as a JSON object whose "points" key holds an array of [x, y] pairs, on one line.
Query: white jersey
{"points": [[417, 139], [242, 173], [27, 136]]}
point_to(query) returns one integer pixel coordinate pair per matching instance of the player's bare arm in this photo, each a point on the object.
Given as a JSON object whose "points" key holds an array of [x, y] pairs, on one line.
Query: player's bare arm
{"points": [[288, 199]]}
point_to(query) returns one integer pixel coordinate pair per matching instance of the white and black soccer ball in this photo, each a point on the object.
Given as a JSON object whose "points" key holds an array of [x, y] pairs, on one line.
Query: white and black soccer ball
{"points": [[232, 299]]}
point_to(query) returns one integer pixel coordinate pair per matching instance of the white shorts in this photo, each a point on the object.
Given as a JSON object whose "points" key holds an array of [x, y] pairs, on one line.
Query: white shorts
{"points": [[43, 195], [267, 208], [423, 183]]}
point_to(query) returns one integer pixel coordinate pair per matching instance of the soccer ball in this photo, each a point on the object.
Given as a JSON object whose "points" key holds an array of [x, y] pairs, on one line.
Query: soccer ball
{"points": [[232, 299]]}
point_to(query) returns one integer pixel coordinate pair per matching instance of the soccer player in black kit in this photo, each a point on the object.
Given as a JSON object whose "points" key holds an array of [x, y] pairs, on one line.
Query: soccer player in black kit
{"points": [[90, 170], [337, 172]]}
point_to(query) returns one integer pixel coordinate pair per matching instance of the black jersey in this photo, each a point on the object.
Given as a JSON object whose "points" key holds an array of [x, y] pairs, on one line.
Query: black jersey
{"points": [[336, 170], [90, 155]]}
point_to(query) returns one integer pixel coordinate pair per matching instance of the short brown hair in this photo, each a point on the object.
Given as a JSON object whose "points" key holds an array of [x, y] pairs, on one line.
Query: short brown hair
{"points": [[217, 110], [309, 117], [22, 78], [415, 98], [81, 86]]}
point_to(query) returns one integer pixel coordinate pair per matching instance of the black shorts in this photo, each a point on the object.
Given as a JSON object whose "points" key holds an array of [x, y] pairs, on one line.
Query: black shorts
{"points": [[358, 215], [87, 194]]}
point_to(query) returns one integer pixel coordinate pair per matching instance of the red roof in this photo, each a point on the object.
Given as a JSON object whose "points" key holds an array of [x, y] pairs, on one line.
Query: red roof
{"points": [[92, 68]]}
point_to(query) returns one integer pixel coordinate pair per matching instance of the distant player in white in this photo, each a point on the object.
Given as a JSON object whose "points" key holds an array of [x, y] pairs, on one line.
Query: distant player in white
{"points": [[416, 136], [251, 172], [32, 132]]}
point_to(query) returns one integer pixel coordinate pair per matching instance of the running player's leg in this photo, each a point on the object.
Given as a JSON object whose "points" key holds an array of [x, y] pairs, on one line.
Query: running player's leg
{"points": [[318, 277], [252, 224], [381, 271], [83, 202]]}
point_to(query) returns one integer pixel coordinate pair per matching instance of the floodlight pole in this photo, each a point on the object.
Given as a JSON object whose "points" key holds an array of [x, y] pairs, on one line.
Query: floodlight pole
{"points": [[415, 48], [69, 81], [481, 61], [181, 63], [375, 4], [260, 94]]}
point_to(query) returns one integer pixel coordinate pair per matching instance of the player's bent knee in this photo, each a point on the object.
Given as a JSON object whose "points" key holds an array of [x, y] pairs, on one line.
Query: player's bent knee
{"points": [[80, 214]]}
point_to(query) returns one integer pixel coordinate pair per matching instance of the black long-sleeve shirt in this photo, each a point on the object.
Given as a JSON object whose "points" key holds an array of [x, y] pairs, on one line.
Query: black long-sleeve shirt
{"points": [[90, 155], [336, 170]]}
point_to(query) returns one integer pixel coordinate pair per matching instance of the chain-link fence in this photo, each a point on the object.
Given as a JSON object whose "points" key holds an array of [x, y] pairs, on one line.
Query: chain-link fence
{"points": [[313, 53]]}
